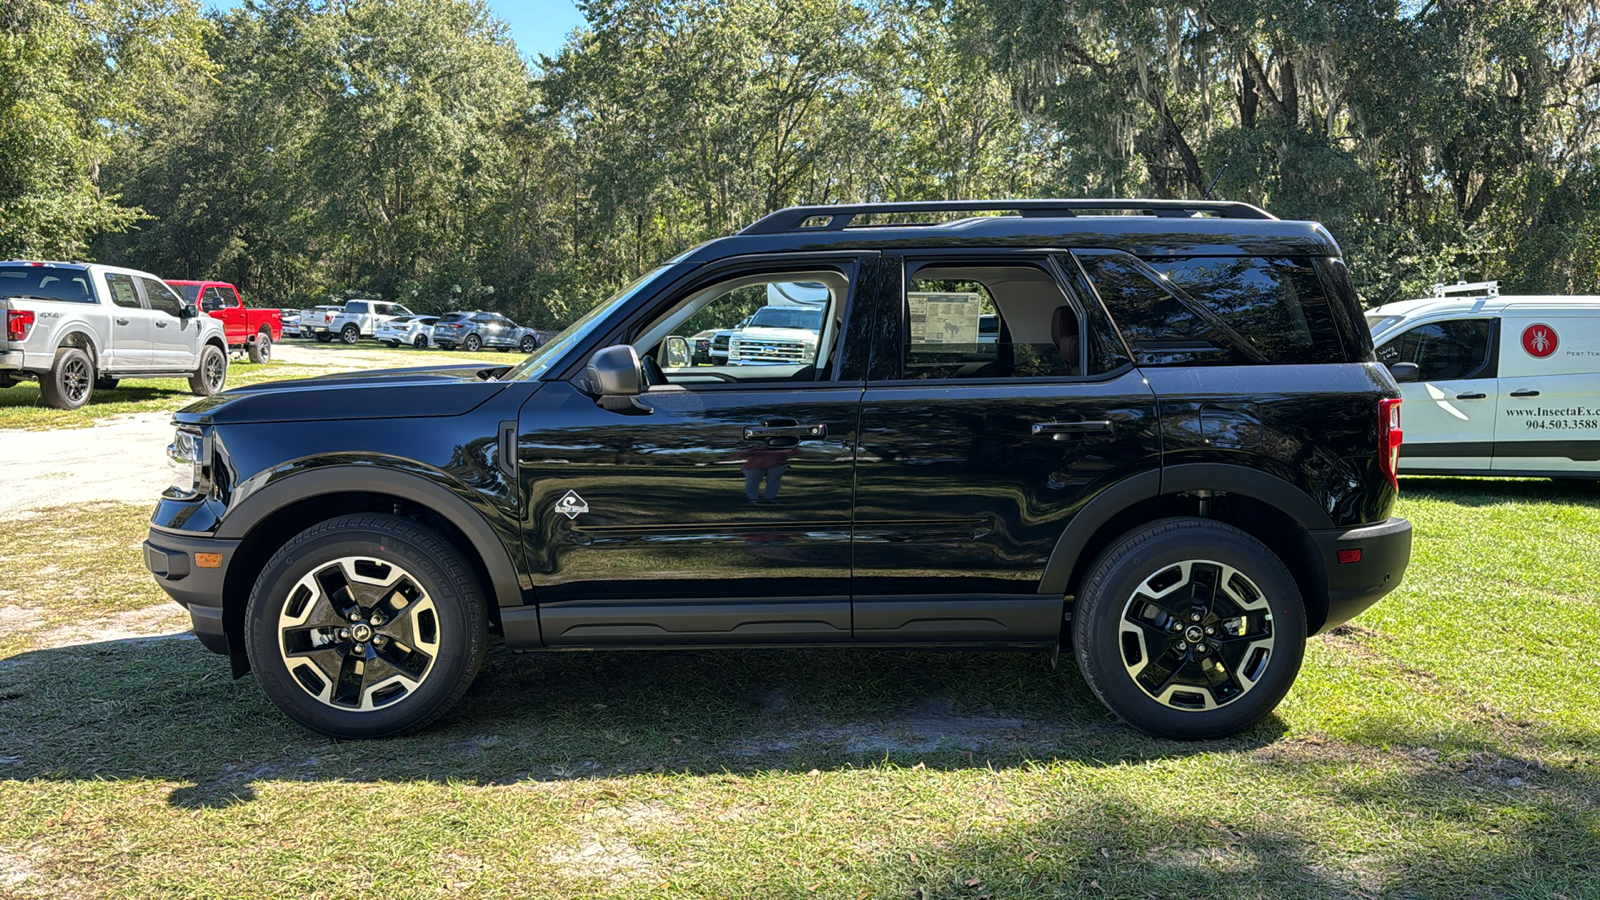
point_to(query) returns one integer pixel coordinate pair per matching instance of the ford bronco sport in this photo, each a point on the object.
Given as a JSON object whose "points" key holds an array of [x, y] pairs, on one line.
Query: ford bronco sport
{"points": [[1174, 452]]}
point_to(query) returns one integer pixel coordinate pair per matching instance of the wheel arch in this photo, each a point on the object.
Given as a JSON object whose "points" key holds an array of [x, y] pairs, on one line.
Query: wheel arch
{"points": [[1266, 507], [267, 519], [79, 337]]}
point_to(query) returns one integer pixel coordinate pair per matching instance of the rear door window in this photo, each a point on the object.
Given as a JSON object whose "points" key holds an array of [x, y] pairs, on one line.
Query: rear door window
{"points": [[1443, 351], [122, 291]]}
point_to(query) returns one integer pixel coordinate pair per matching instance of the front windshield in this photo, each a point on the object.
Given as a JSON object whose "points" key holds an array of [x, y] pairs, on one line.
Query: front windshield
{"points": [[189, 292], [781, 317], [539, 361], [1377, 323]]}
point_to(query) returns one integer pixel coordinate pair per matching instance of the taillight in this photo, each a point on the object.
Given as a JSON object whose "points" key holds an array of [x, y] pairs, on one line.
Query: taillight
{"points": [[18, 321], [1389, 437]]}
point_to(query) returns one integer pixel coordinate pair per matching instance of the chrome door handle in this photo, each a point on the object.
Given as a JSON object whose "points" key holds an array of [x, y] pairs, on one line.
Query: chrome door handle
{"points": [[1066, 431], [812, 432], [1525, 393], [1475, 395]]}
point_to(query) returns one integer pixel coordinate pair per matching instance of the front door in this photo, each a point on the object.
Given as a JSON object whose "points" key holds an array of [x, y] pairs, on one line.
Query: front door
{"points": [[1449, 411], [980, 438], [713, 508], [175, 339]]}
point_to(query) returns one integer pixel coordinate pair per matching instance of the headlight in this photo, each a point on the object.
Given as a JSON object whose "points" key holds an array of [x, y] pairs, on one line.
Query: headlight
{"points": [[186, 454], [733, 349]]}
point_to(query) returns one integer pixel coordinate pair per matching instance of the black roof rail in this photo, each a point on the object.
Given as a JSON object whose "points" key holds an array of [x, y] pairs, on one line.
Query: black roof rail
{"points": [[839, 216]]}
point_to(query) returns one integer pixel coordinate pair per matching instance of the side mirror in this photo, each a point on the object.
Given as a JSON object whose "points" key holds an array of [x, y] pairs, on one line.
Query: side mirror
{"points": [[616, 372], [677, 353], [1404, 371], [188, 311]]}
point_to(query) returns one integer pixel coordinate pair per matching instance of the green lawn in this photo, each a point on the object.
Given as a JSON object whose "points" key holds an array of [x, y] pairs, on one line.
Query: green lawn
{"points": [[1442, 745]]}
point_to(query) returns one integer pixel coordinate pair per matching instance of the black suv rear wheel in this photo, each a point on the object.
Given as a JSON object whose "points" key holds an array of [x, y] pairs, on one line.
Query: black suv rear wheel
{"points": [[1189, 629], [365, 626]]}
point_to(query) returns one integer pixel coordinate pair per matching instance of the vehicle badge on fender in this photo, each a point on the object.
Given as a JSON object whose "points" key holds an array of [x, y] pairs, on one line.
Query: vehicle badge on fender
{"points": [[571, 505]]}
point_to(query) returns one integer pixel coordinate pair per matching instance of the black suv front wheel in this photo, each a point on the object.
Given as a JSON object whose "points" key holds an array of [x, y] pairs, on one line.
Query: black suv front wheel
{"points": [[1189, 629], [365, 626]]}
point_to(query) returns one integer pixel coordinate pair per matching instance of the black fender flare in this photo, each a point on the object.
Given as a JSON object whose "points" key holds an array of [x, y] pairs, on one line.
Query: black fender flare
{"points": [[1220, 477], [64, 339], [341, 479]]}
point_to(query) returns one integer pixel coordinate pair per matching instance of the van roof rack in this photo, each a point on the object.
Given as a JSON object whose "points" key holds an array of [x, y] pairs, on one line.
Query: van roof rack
{"points": [[1472, 289], [839, 216]]}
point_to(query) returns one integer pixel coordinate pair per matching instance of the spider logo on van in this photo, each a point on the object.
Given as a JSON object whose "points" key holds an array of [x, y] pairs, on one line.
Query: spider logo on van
{"points": [[1539, 340]]}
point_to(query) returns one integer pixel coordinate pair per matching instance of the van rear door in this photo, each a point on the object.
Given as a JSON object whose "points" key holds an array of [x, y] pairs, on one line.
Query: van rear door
{"points": [[1449, 411], [1550, 413]]}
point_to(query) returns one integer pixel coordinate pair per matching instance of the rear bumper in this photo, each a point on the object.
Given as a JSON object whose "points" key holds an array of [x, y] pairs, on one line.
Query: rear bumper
{"points": [[170, 558], [1385, 550]]}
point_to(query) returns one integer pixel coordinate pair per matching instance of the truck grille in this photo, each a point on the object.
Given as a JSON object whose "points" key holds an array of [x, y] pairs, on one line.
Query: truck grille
{"points": [[770, 351]]}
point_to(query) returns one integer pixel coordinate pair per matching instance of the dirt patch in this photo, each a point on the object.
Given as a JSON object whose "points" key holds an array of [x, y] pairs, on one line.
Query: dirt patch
{"points": [[123, 459], [611, 858], [164, 619]]}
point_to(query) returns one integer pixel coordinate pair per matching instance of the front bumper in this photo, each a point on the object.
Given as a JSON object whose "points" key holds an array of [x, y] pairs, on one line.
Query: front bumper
{"points": [[170, 558], [1385, 550]]}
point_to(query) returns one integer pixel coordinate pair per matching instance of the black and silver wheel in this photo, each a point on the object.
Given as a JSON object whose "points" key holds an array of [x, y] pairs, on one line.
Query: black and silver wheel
{"points": [[212, 374], [70, 380], [350, 333], [365, 626], [261, 348], [529, 344], [1189, 629], [323, 337], [420, 342], [473, 343]]}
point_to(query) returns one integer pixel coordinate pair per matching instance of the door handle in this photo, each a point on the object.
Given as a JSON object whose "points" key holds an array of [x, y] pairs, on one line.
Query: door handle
{"points": [[1066, 431], [1475, 395], [122, 321], [160, 324], [1525, 393], [811, 432]]}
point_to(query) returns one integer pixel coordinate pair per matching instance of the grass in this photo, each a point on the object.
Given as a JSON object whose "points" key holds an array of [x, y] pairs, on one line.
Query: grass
{"points": [[1442, 745], [21, 406]]}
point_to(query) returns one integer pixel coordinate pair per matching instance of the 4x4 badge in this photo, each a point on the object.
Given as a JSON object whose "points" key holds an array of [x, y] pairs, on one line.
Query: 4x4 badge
{"points": [[571, 505]]}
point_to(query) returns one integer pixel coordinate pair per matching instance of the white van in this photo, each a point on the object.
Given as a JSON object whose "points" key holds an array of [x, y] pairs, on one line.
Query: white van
{"points": [[1505, 385]]}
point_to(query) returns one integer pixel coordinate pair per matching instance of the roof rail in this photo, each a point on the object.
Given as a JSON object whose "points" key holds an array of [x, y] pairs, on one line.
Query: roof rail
{"points": [[839, 216], [1485, 288]]}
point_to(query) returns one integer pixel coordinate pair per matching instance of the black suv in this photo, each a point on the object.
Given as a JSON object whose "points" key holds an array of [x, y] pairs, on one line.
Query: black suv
{"points": [[1172, 450]]}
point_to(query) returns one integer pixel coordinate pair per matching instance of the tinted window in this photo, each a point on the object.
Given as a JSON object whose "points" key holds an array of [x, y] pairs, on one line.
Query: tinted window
{"points": [[214, 299], [123, 293], [396, 309], [1275, 303], [356, 306], [778, 317], [161, 298], [989, 321], [1443, 351], [190, 292], [1159, 327], [47, 283]]}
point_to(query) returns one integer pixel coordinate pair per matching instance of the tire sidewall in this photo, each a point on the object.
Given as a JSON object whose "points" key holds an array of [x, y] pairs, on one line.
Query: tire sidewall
{"points": [[460, 618], [349, 334], [472, 344], [261, 350], [59, 396], [1111, 582]]}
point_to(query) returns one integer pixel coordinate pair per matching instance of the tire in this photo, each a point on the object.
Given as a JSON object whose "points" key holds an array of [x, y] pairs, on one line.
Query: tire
{"points": [[504, 349], [391, 344], [307, 672], [529, 344], [1138, 593], [420, 342], [444, 345], [102, 383], [323, 337], [70, 381], [350, 333], [472, 343], [212, 374], [260, 349]]}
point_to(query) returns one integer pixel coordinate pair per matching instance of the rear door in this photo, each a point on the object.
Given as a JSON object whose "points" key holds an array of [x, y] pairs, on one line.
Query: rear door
{"points": [[132, 327], [979, 445], [1550, 409], [1450, 410]]}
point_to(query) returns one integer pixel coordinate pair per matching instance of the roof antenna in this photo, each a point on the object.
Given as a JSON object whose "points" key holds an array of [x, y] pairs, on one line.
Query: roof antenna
{"points": [[1214, 183]]}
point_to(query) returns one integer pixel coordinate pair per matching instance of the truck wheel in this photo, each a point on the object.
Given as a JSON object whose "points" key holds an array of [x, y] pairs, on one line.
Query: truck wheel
{"points": [[365, 626], [70, 380], [420, 342], [261, 348], [350, 333], [391, 344], [529, 344], [102, 383], [473, 343], [212, 374], [1189, 629], [323, 337]]}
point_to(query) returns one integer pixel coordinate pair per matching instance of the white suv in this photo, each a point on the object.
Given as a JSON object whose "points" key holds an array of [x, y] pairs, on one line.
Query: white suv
{"points": [[1505, 385]]}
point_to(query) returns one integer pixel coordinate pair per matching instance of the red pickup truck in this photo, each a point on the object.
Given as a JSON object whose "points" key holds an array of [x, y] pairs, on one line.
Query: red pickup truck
{"points": [[252, 330]]}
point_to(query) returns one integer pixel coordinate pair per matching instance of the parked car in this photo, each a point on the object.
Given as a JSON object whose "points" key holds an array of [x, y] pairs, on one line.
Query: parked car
{"points": [[720, 339], [1178, 463], [75, 327], [352, 322], [314, 321], [413, 330], [1501, 385], [252, 331], [291, 322], [776, 335], [476, 330]]}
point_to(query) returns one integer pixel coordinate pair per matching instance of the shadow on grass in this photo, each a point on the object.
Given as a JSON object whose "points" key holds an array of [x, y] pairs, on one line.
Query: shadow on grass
{"points": [[1495, 491], [166, 709]]}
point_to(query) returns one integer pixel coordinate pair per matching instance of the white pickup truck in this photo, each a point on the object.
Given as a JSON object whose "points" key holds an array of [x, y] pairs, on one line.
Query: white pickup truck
{"points": [[74, 327], [358, 319]]}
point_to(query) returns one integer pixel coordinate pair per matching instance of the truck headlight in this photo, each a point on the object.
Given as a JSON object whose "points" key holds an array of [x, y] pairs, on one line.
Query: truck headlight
{"points": [[733, 349], [187, 456]]}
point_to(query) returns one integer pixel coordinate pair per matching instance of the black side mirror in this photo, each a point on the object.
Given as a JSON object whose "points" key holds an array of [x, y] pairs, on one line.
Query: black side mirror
{"points": [[188, 311], [616, 375], [1405, 371]]}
